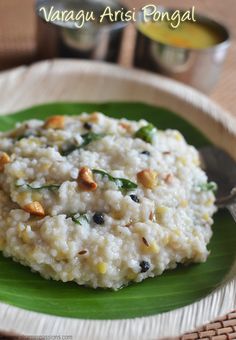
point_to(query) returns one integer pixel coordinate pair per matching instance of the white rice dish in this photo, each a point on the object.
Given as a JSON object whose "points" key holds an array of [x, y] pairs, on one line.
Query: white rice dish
{"points": [[101, 201]]}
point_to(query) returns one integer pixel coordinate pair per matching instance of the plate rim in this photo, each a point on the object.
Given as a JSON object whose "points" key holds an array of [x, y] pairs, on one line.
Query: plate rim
{"points": [[219, 302]]}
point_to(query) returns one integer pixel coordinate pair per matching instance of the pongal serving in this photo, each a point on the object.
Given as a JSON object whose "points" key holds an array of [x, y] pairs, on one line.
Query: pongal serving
{"points": [[102, 201]]}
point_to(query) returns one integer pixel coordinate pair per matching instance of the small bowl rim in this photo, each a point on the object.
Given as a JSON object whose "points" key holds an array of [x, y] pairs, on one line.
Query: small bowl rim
{"points": [[203, 18]]}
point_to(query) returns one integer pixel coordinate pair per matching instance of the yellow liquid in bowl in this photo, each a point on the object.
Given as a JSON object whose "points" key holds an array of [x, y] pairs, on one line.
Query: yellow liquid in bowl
{"points": [[187, 35]]}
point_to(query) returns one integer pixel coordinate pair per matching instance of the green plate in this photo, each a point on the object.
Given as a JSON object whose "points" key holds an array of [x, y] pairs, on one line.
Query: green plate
{"points": [[185, 285]]}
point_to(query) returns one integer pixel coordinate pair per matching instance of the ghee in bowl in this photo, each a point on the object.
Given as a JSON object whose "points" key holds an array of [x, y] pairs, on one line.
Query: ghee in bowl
{"points": [[193, 52], [190, 35]]}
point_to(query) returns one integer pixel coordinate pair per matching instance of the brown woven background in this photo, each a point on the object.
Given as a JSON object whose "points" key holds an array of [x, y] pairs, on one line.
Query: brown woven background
{"points": [[17, 32], [222, 329], [18, 44]]}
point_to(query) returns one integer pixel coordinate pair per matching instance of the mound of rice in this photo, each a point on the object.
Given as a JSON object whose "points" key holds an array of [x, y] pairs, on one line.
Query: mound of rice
{"points": [[102, 201]]}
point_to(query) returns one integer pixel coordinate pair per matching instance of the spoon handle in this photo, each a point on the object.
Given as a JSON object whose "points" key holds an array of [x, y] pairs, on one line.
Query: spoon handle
{"points": [[232, 209], [227, 201]]}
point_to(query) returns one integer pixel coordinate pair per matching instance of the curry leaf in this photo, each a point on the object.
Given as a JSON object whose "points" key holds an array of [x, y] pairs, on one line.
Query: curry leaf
{"points": [[122, 183], [146, 133], [79, 218], [91, 137], [48, 187], [87, 139], [211, 186]]}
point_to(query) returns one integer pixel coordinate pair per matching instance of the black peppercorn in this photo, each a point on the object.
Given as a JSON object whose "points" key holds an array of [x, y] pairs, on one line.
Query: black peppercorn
{"points": [[88, 126], [99, 218], [145, 266], [147, 153], [135, 198]]}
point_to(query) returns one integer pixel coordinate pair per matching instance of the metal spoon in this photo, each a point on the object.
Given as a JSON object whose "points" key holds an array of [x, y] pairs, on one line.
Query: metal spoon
{"points": [[221, 168]]}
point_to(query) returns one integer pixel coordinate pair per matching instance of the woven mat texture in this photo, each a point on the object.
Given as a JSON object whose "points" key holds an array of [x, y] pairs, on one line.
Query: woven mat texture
{"points": [[222, 329], [17, 32], [18, 44]]}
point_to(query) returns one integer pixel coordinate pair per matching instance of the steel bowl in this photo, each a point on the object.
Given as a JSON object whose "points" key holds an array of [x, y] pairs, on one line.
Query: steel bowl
{"points": [[199, 68], [93, 40]]}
